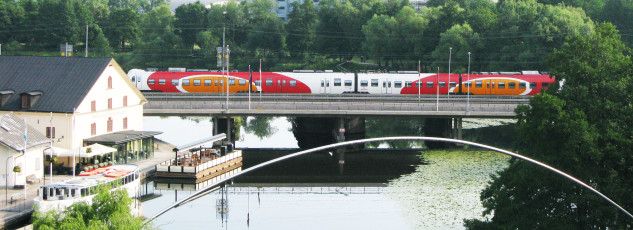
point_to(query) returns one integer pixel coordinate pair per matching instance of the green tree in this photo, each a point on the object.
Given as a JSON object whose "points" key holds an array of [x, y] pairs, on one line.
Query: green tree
{"points": [[300, 29], [12, 16], [582, 129], [339, 30], [158, 40], [188, 22], [267, 30], [109, 210], [208, 42], [58, 23], [122, 27], [98, 43], [462, 39], [620, 13]]}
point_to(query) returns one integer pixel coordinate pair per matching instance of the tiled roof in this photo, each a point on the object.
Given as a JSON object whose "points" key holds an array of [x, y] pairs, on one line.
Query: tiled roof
{"points": [[12, 133], [63, 82]]}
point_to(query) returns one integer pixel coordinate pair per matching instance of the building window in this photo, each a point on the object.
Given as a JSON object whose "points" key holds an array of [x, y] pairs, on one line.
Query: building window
{"points": [[109, 82], [125, 123], [109, 124], [93, 106], [109, 103], [124, 100], [93, 129], [50, 132], [26, 101]]}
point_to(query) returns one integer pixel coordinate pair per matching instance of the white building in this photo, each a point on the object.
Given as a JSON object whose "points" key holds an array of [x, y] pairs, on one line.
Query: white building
{"points": [[12, 154], [75, 102]]}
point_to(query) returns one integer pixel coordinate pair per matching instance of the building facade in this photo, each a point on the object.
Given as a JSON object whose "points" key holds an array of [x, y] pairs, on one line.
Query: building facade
{"points": [[13, 154], [70, 100]]}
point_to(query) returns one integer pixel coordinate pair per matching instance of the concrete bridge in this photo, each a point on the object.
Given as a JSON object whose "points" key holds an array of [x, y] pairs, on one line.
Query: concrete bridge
{"points": [[327, 105]]}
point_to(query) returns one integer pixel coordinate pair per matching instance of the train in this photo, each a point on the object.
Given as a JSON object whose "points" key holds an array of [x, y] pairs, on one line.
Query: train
{"points": [[329, 82]]}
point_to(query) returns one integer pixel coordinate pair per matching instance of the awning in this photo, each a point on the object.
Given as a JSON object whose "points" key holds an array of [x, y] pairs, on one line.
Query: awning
{"points": [[54, 150], [120, 137], [95, 150]]}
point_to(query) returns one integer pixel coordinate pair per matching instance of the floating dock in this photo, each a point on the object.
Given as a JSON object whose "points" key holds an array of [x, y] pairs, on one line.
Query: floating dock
{"points": [[195, 162]]}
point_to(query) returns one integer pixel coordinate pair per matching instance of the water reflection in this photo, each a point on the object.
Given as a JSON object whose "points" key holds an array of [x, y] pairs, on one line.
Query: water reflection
{"points": [[389, 127], [259, 126]]}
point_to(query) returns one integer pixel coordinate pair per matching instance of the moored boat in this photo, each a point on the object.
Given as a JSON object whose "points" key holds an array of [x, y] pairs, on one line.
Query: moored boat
{"points": [[83, 188]]}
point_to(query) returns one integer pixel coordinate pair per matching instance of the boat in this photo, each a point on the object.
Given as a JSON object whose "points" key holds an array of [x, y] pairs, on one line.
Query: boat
{"points": [[82, 188]]}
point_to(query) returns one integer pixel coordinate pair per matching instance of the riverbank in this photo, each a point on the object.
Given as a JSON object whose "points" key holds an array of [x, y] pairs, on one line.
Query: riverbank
{"points": [[16, 211]]}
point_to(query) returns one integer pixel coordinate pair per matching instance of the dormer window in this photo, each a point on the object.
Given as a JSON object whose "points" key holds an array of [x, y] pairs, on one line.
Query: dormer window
{"points": [[29, 99], [4, 96]]}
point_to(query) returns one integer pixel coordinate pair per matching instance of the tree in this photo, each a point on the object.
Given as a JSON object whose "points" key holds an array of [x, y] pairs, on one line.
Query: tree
{"points": [[267, 29], [109, 210], [188, 23], [462, 39], [12, 16], [57, 23], [582, 129], [122, 27], [158, 39], [98, 44], [300, 29], [620, 12]]}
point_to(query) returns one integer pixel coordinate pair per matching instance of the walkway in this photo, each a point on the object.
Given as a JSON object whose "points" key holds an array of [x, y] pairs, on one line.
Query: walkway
{"points": [[11, 212]]}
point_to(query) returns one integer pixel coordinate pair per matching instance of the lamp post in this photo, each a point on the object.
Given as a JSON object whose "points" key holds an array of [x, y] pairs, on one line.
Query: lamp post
{"points": [[450, 54], [469, 85]]}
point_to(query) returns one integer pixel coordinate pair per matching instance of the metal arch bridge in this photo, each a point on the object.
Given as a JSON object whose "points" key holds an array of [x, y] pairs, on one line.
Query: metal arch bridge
{"points": [[241, 104], [333, 146]]}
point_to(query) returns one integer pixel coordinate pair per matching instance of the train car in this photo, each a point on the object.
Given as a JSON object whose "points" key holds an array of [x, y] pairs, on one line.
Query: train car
{"points": [[340, 83]]}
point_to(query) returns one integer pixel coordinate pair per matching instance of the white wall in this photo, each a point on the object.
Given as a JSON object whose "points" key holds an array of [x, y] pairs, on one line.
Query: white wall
{"points": [[30, 163]]}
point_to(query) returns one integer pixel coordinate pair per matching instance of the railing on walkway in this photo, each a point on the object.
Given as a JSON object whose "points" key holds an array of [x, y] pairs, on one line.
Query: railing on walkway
{"points": [[168, 166]]}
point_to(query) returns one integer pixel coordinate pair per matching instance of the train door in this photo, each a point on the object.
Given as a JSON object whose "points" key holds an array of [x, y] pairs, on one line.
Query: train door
{"points": [[325, 86], [386, 86]]}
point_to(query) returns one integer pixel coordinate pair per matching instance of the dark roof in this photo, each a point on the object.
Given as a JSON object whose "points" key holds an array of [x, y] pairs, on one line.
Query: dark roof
{"points": [[120, 137], [12, 133], [64, 82]]}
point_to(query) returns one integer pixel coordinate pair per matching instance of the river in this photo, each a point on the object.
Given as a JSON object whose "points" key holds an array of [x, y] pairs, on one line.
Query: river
{"points": [[376, 189]]}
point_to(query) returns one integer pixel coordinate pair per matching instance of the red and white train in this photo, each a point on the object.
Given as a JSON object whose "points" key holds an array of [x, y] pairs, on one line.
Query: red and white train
{"points": [[406, 82]]}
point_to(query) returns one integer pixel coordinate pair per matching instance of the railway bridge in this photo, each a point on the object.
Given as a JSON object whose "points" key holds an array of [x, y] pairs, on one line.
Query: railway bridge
{"points": [[338, 115]]}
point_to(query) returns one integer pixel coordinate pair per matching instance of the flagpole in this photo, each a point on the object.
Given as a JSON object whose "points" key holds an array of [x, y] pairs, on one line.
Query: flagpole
{"points": [[72, 144], [450, 54], [419, 80], [50, 161], [437, 102], [261, 84], [25, 138], [250, 86]]}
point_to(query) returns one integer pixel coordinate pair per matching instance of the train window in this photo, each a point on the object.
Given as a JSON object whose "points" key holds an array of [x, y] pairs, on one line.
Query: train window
{"points": [[269, 82], [185, 82], [468, 84], [408, 84], [242, 82], [207, 82], [216, 82], [348, 82], [397, 84], [389, 84], [522, 85], [429, 84], [442, 84], [452, 84], [222, 82], [364, 83], [196, 82], [258, 82], [374, 82], [161, 81], [384, 84], [337, 82], [478, 84], [231, 81], [512, 85], [532, 85], [293, 83], [545, 84], [174, 82], [133, 79], [502, 85], [492, 84], [151, 81], [322, 83], [419, 84], [487, 84]]}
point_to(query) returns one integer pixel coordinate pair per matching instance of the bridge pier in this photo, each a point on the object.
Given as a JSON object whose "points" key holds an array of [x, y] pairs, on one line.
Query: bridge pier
{"points": [[225, 125], [442, 127], [318, 131]]}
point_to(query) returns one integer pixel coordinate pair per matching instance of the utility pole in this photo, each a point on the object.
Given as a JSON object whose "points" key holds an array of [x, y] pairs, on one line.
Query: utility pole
{"points": [[86, 40], [469, 85]]}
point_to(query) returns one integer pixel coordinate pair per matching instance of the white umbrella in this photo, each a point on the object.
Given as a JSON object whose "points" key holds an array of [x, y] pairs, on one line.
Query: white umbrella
{"points": [[95, 150], [54, 150]]}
